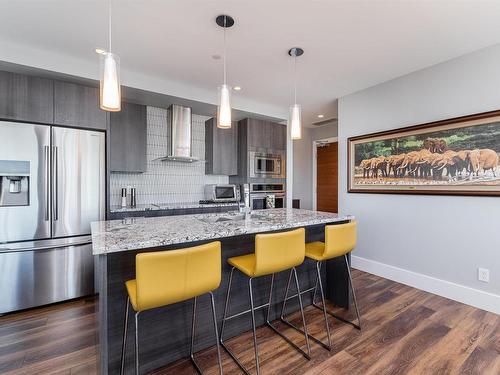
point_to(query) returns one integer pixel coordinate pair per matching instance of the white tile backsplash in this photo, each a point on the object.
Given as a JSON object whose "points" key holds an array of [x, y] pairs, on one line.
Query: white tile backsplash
{"points": [[167, 181]]}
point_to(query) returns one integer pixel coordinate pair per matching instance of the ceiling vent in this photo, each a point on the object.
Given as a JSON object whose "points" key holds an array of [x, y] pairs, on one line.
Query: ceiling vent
{"points": [[326, 121]]}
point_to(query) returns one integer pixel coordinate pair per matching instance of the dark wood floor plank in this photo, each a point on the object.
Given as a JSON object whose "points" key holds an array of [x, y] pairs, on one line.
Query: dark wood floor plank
{"points": [[482, 361], [373, 346], [402, 355], [449, 354], [405, 331]]}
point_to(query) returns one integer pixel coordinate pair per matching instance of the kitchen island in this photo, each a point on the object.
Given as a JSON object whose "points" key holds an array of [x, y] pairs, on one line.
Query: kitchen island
{"points": [[164, 332]]}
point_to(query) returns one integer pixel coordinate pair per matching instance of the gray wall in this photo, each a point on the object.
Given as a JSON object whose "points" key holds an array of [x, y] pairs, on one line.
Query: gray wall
{"points": [[440, 236], [303, 163]]}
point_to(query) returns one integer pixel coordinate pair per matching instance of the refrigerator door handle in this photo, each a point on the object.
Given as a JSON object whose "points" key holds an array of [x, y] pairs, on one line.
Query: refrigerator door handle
{"points": [[47, 181], [55, 183]]}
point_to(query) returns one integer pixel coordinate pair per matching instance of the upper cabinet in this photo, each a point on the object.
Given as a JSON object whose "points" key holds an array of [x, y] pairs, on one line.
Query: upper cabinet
{"points": [[221, 149], [26, 98], [128, 139], [78, 105], [266, 135], [278, 135]]}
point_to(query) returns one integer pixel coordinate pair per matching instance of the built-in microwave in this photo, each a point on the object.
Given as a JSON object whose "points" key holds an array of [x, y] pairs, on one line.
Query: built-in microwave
{"points": [[222, 193], [266, 165]]}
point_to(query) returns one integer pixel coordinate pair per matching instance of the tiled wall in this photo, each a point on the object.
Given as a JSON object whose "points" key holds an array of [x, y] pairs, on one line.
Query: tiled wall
{"points": [[167, 181]]}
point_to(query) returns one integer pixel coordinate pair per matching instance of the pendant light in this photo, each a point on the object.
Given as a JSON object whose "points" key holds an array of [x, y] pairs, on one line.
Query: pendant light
{"points": [[295, 119], [224, 104], [110, 96]]}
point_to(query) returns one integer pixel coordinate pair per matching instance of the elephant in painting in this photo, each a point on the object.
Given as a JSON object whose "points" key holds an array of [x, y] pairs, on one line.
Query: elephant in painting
{"points": [[446, 160], [415, 163], [366, 166], [435, 145], [484, 159], [462, 161], [393, 163], [379, 164]]}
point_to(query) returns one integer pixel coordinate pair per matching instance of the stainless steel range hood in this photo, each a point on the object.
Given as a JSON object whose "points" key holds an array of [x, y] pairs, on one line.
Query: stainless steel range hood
{"points": [[179, 134]]}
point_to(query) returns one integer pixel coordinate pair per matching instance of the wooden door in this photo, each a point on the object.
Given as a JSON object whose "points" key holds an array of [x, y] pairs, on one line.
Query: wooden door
{"points": [[327, 178]]}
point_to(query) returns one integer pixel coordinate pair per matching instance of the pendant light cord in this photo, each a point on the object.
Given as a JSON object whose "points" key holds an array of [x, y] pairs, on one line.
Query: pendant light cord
{"points": [[109, 24], [225, 26], [295, 79]]}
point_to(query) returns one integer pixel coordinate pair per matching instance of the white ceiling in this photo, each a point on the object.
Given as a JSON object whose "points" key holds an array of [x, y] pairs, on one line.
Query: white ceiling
{"points": [[168, 45]]}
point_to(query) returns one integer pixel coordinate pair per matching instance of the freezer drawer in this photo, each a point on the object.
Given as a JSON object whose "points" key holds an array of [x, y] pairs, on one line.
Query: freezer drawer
{"points": [[32, 278]]}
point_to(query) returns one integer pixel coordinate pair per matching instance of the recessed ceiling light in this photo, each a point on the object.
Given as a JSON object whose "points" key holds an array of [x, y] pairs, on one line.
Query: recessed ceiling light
{"points": [[100, 51], [321, 116], [237, 88]]}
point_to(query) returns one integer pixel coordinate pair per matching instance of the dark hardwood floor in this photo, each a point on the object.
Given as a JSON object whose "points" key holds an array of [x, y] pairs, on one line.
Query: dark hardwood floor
{"points": [[405, 331]]}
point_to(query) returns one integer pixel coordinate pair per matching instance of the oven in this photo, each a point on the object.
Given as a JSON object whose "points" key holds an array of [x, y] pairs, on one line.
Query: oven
{"points": [[265, 196], [266, 165]]}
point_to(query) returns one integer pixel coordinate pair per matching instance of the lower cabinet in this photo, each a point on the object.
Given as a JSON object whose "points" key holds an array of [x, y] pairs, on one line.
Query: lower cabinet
{"points": [[157, 213]]}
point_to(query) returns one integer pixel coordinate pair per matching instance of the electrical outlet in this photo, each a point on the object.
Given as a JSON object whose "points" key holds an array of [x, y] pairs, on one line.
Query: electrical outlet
{"points": [[483, 274]]}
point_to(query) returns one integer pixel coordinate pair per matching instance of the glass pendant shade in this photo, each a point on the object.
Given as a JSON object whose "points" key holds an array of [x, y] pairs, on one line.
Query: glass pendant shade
{"points": [[110, 82], [224, 108], [295, 122]]}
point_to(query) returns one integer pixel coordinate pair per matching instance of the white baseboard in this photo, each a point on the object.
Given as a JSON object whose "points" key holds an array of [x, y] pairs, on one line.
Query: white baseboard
{"points": [[470, 296]]}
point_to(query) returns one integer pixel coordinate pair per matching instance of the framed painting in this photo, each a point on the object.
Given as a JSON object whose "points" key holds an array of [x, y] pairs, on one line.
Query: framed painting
{"points": [[458, 156]]}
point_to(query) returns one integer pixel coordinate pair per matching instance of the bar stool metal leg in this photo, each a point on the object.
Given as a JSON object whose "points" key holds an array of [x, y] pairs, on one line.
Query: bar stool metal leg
{"points": [[224, 318], [268, 321], [357, 326], [293, 271], [286, 294], [137, 343], [253, 327], [302, 312], [353, 292], [318, 270], [124, 342], [193, 330], [216, 332], [320, 284], [226, 306]]}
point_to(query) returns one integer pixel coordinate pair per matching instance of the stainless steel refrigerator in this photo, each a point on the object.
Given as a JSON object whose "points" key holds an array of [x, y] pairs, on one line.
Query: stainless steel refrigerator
{"points": [[52, 185]]}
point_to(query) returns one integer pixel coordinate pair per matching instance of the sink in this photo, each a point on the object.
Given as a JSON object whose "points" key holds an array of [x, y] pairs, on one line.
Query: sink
{"points": [[231, 217]]}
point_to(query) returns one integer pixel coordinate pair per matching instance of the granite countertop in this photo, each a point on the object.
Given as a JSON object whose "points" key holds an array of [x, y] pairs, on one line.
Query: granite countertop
{"points": [[140, 233], [169, 206]]}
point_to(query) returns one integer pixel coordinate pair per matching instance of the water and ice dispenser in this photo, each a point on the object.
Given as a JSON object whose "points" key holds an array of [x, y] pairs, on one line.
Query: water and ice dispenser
{"points": [[14, 183]]}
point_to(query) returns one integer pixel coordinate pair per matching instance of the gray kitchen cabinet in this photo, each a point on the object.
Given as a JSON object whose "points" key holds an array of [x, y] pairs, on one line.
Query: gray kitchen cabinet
{"points": [[266, 135], [259, 133], [26, 98], [78, 105], [221, 149], [128, 139], [278, 138]]}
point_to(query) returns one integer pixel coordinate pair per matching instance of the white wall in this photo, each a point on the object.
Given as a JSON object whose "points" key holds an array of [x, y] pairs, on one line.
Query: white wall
{"points": [[303, 162], [442, 240]]}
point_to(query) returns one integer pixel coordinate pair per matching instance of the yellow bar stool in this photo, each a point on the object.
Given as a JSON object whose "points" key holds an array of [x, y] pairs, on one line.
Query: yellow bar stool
{"points": [[275, 252], [167, 277], [340, 240]]}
